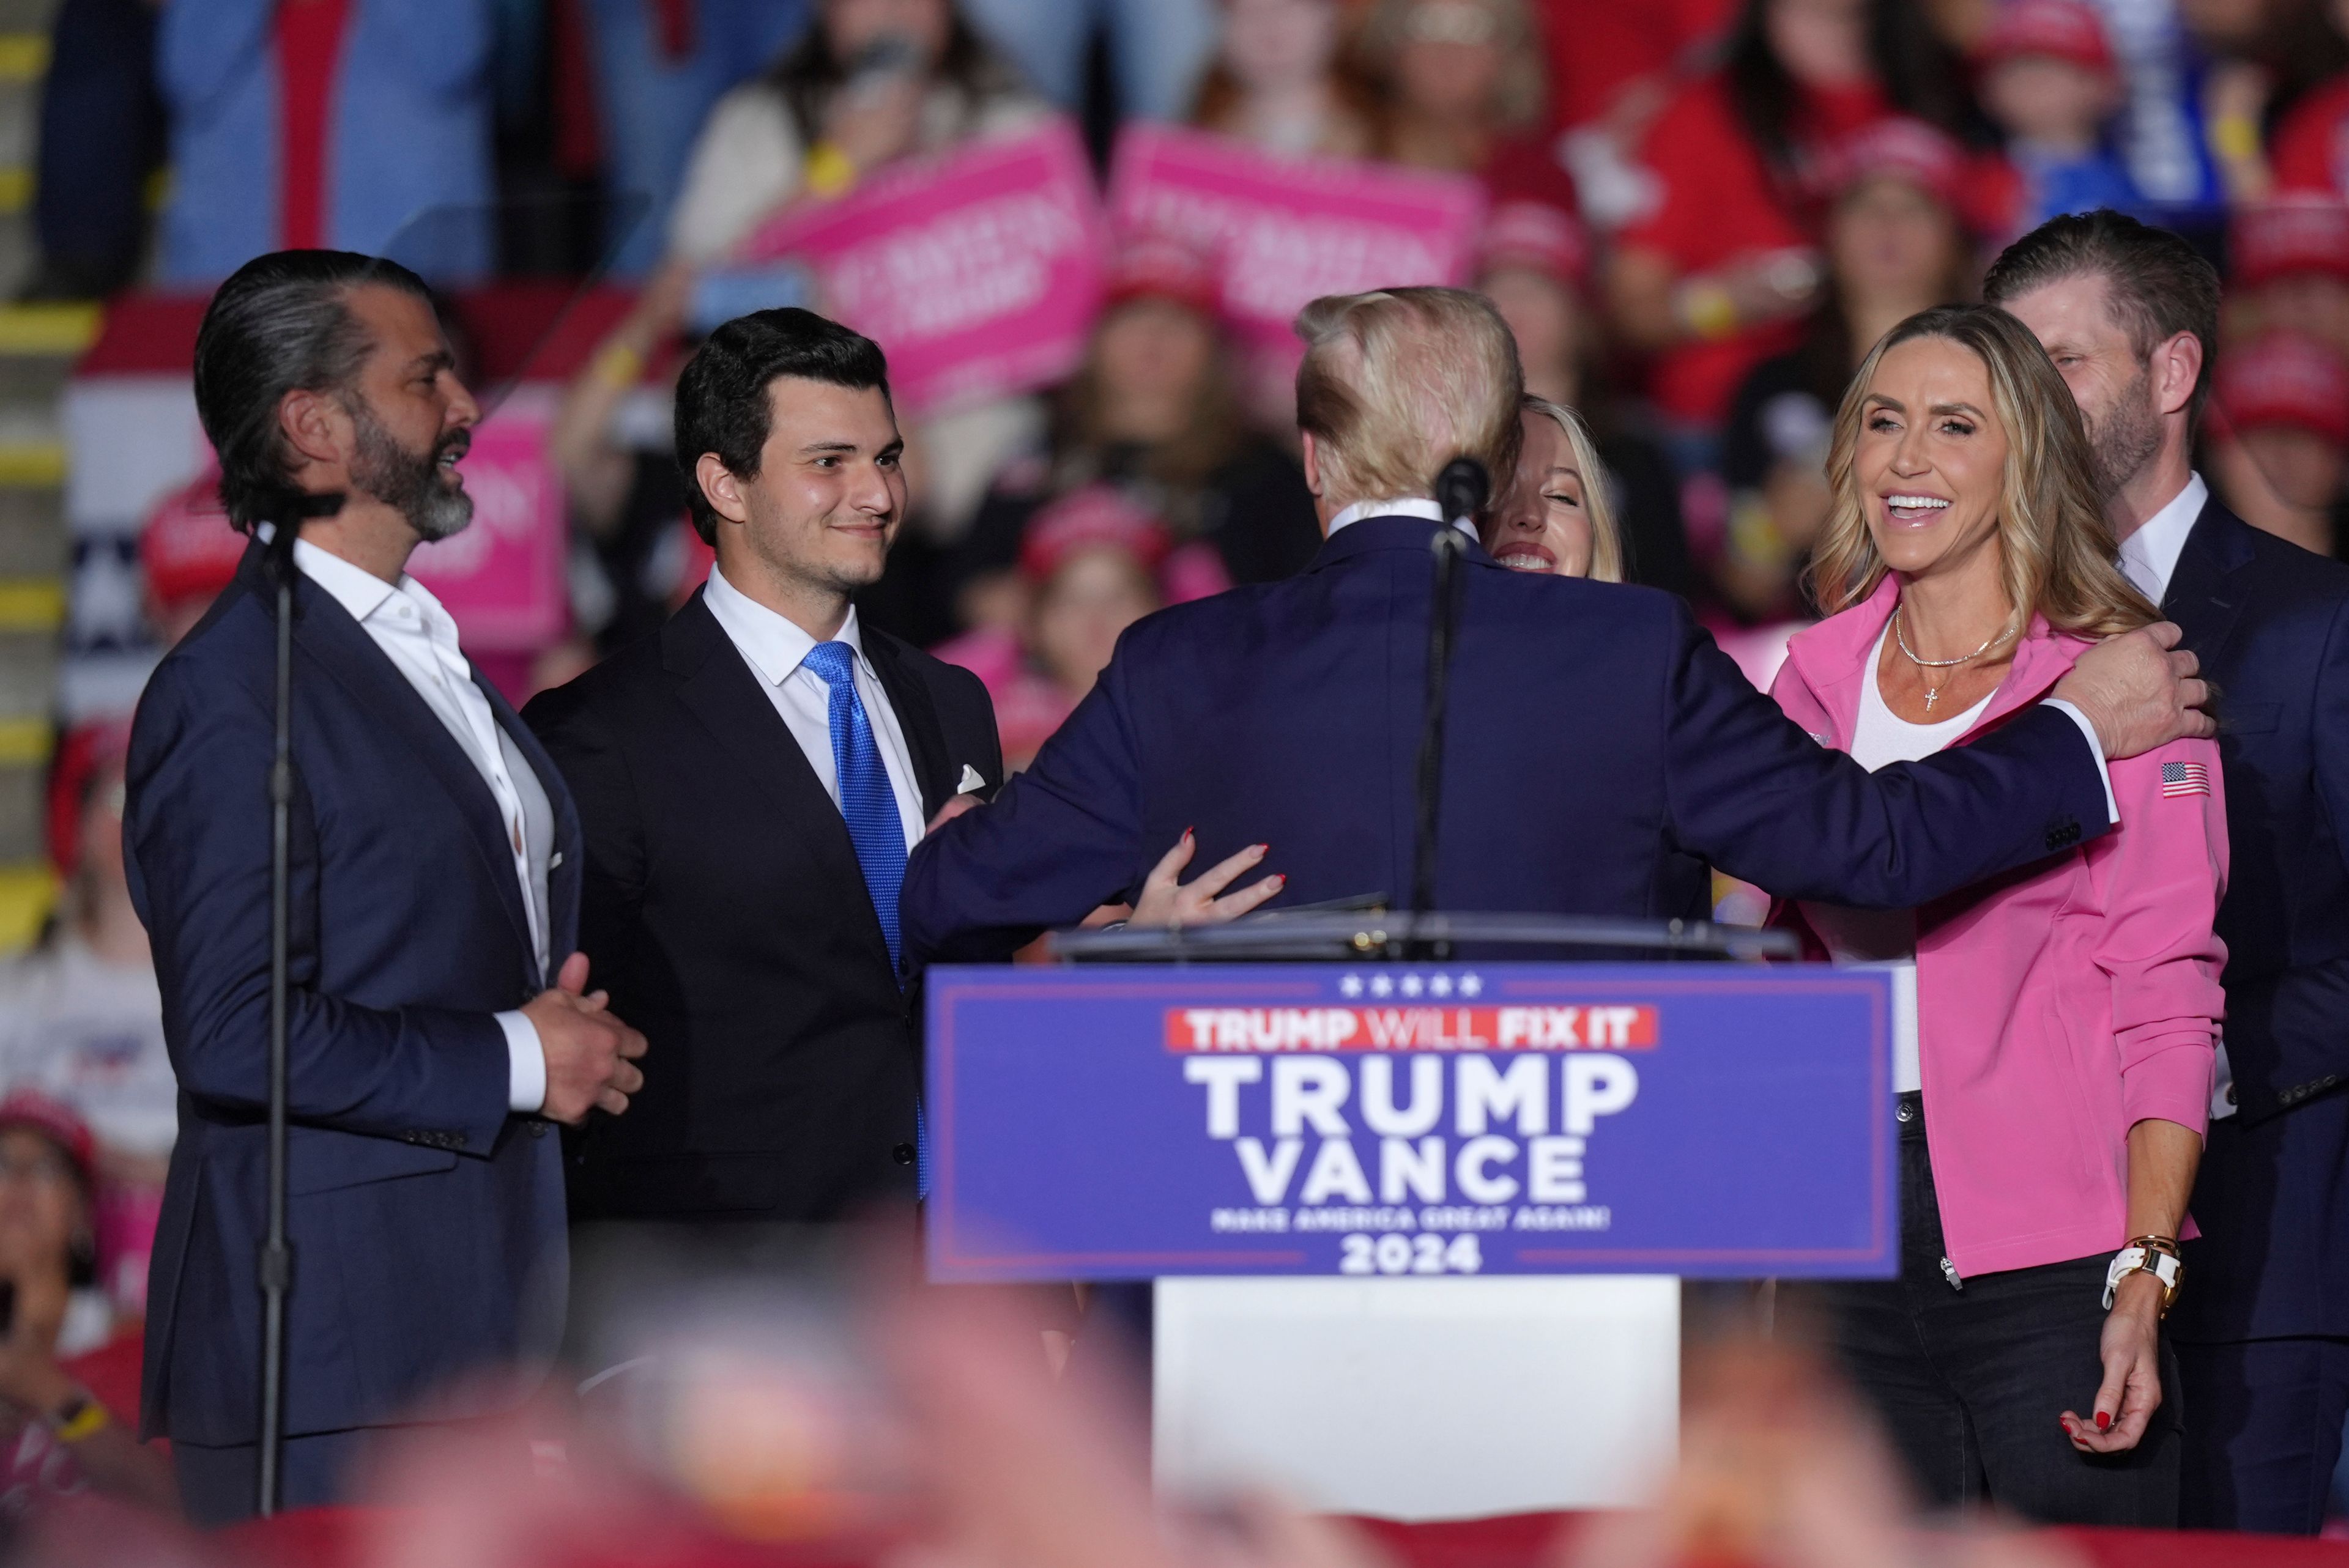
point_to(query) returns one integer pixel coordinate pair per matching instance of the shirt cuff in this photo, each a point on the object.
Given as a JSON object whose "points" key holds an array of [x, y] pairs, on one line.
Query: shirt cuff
{"points": [[525, 1064], [2097, 750]]}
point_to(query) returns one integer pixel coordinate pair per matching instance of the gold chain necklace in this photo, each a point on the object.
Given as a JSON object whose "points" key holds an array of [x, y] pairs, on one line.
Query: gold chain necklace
{"points": [[1933, 692]]}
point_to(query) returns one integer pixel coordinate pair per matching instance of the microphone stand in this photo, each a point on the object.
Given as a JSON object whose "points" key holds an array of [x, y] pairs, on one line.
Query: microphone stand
{"points": [[277, 1259], [1460, 490]]}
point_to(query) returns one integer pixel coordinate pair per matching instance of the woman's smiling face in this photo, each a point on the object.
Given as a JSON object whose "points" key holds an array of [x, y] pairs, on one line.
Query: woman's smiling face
{"points": [[1930, 461], [1543, 523]]}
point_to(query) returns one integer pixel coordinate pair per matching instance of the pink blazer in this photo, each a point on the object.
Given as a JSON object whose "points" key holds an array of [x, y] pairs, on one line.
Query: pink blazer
{"points": [[2062, 1003]]}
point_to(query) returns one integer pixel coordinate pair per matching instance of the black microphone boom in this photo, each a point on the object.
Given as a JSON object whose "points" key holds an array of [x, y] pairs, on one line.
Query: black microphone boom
{"points": [[277, 1260], [1461, 491]]}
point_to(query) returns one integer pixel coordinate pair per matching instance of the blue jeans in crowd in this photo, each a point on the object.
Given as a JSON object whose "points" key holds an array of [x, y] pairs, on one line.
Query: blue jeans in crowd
{"points": [[1157, 47], [652, 105]]}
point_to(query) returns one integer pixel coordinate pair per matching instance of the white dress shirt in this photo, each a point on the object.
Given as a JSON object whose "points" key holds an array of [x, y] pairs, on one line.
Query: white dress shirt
{"points": [[2149, 556], [776, 649], [420, 639], [1407, 506]]}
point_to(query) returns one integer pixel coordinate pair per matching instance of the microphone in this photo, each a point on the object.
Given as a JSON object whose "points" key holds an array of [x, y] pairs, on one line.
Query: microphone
{"points": [[1461, 489]]}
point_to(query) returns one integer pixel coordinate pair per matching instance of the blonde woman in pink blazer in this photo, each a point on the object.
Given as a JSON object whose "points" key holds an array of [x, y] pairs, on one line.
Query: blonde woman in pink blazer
{"points": [[2055, 1028]]}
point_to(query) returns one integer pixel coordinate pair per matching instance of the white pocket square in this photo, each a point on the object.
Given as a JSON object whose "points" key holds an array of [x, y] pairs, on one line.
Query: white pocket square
{"points": [[970, 780]]}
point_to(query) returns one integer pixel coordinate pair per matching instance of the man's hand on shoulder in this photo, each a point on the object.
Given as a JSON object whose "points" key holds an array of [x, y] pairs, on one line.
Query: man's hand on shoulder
{"points": [[591, 1055], [2139, 690]]}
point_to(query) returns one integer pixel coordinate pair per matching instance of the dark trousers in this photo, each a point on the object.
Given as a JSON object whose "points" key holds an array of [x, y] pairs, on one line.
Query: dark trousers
{"points": [[1970, 1383], [2265, 1432], [221, 1486]]}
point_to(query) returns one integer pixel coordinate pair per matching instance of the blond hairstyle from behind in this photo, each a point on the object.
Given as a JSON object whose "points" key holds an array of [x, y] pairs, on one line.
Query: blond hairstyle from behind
{"points": [[1597, 488], [2059, 557], [1398, 382]]}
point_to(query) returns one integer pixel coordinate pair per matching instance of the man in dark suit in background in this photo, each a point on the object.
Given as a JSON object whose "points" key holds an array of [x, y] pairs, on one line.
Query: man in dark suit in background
{"points": [[751, 778], [1599, 750], [435, 878], [2129, 313]]}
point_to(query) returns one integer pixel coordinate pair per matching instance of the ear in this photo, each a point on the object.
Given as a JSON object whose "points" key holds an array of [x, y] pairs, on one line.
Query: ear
{"points": [[724, 491], [1312, 458], [315, 425], [2176, 367]]}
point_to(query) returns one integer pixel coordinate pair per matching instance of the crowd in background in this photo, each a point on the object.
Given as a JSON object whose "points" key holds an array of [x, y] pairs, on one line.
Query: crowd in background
{"points": [[1704, 212]]}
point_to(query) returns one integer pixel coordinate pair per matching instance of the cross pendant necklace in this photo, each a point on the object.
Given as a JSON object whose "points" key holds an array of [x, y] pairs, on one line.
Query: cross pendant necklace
{"points": [[1933, 692]]}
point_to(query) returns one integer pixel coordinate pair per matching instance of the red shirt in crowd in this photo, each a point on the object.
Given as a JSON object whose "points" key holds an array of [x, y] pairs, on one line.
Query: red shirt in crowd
{"points": [[1718, 201], [1598, 48], [2311, 150], [309, 48]]}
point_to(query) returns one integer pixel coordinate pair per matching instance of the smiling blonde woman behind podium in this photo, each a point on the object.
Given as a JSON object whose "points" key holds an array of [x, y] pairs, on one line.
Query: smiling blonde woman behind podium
{"points": [[1559, 513], [2053, 1027]]}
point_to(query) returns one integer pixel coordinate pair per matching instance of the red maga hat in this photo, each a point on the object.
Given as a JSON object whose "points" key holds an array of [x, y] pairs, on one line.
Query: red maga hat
{"points": [[1900, 148], [2284, 379], [1154, 266], [55, 1120], [1094, 516], [1536, 235], [2290, 235], [188, 548], [2057, 29]]}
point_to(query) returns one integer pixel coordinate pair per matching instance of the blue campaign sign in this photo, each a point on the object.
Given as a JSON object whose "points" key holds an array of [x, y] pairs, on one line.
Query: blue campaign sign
{"points": [[1122, 1122]]}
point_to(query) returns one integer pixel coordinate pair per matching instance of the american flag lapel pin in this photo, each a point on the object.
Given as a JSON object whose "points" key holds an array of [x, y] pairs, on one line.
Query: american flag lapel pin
{"points": [[2184, 779]]}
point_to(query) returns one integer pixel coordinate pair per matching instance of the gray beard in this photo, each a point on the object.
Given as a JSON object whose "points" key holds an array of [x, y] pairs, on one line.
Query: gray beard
{"points": [[407, 482], [2128, 438]]}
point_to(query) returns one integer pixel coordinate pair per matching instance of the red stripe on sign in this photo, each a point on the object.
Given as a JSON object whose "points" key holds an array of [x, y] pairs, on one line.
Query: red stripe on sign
{"points": [[1526, 1029]]}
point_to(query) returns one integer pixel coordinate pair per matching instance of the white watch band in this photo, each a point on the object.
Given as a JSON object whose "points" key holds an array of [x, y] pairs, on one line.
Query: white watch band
{"points": [[2133, 1260]]}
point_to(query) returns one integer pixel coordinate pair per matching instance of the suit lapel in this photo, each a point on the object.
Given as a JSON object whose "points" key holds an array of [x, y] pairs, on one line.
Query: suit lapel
{"points": [[2203, 597], [324, 630], [917, 719], [719, 687], [564, 869]]}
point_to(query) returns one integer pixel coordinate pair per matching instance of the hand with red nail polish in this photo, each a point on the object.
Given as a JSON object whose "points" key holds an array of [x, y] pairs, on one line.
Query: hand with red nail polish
{"points": [[2131, 1349], [1166, 900]]}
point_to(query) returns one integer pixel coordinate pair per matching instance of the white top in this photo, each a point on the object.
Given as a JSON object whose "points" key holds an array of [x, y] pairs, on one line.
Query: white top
{"points": [[777, 649], [2149, 556], [1407, 506], [91, 1034], [1886, 939], [420, 637]]}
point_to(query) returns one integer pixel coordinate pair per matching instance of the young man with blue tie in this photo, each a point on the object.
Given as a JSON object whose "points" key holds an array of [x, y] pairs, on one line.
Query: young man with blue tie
{"points": [[750, 779]]}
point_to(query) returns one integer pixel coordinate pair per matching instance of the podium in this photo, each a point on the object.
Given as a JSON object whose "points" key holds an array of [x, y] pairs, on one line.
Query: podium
{"points": [[1417, 1226]]}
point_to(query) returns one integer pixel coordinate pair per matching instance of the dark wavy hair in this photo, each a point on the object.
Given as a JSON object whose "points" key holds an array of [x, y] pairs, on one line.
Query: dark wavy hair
{"points": [[810, 72], [280, 324], [1919, 76], [722, 404]]}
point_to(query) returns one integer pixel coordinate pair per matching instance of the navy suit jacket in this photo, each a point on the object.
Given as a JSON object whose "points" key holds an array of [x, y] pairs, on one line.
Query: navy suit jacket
{"points": [[427, 1222], [2271, 624], [1599, 752]]}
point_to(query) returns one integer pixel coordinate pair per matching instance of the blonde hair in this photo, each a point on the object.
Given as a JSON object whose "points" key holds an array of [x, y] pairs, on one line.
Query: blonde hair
{"points": [[1397, 383], [2056, 549], [1597, 488]]}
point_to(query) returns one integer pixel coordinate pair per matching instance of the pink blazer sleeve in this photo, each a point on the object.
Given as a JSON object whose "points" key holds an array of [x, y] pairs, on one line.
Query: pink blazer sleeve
{"points": [[2160, 879]]}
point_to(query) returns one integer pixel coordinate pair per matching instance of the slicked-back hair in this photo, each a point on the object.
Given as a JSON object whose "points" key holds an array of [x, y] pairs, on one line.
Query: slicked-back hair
{"points": [[2157, 285], [724, 407], [282, 323], [1397, 383]]}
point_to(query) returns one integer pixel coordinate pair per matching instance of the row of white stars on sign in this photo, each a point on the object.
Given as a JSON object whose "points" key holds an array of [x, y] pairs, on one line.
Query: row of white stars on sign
{"points": [[1411, 984]]}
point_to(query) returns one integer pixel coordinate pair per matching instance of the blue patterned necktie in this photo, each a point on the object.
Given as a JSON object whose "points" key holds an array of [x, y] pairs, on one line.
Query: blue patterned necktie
{"points": [[869, 806]]}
